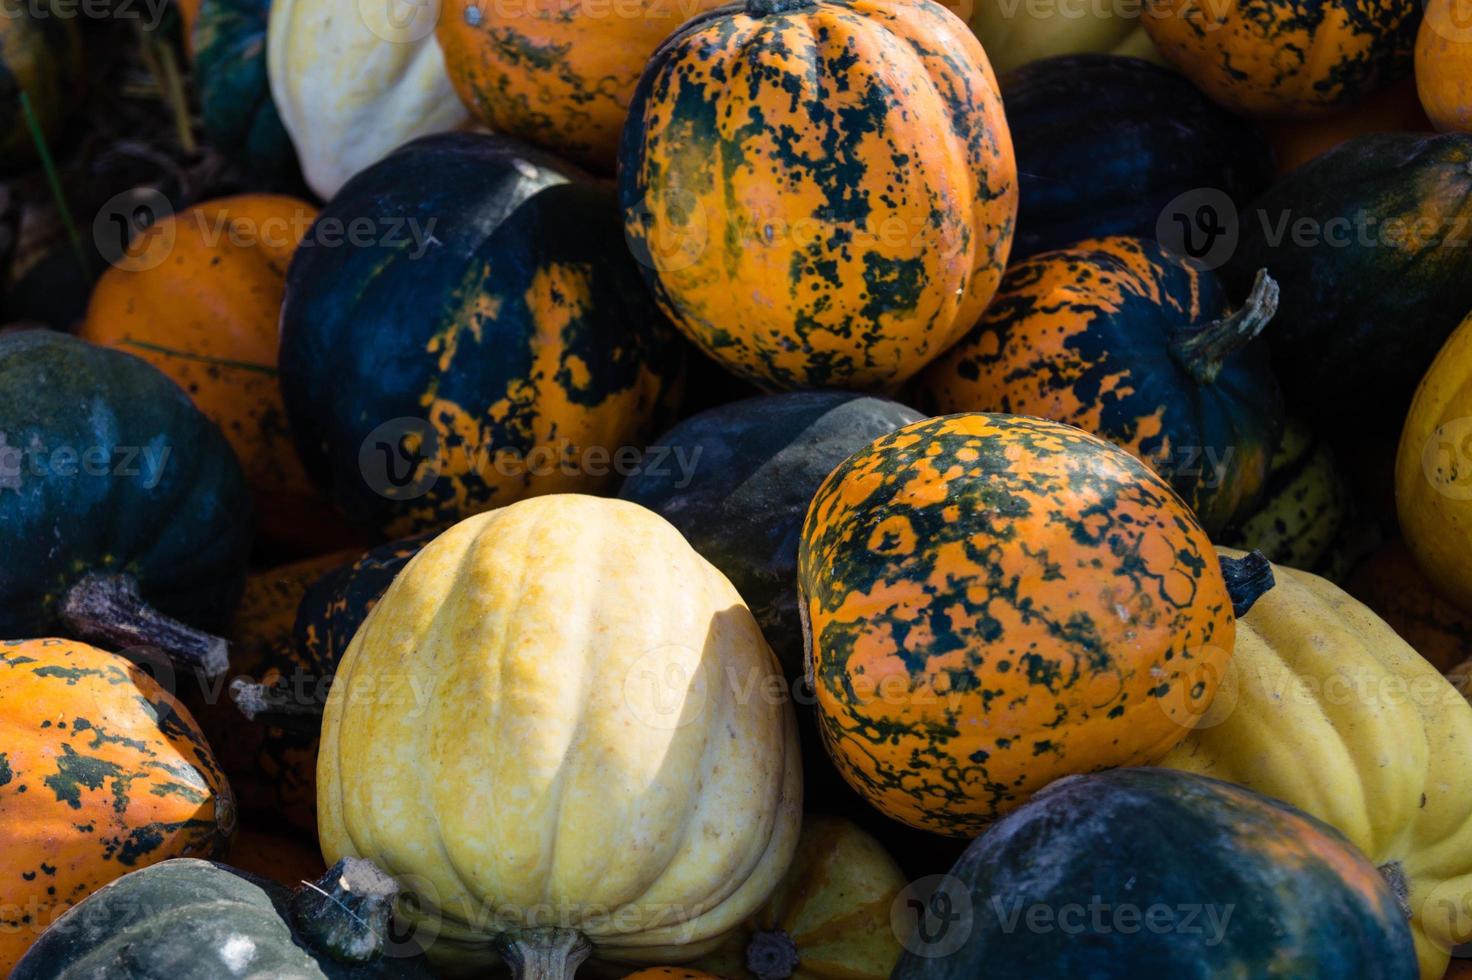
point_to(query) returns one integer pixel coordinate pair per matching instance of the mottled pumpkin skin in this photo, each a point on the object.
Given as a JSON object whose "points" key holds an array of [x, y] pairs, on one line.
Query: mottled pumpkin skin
{"points": [[40, 54], [820, 194], [228, 47], [1250, 887], [1376, 284], [1109, 164], [1083, 335], [1394, 586], [201, 301], [521, 339], [995, 601], [177, 518], [557, 75], [1283, 58], [101, 771]]}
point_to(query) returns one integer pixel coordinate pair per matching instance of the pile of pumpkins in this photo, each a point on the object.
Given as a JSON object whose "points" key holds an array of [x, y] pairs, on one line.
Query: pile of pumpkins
{"points": [[515, 500]]}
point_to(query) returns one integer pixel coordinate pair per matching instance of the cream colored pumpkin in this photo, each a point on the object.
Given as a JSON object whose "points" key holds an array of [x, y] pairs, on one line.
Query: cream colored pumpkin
{"points": [[354, 79], [562, 729], [1015, 32], [1325, 707]]}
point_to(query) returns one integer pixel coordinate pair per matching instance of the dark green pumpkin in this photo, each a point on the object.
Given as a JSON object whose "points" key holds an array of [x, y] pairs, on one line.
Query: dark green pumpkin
{"points": [[1105, 142], [111, 481], [1371, 243], [491, 340], [737, 480], [1125, 340], [187, 919], [41, 55], [239, 116], [1157, 873]]}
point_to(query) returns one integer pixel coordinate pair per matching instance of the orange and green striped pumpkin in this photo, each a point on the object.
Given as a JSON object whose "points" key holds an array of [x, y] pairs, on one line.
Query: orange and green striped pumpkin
{"points": [[820, 192], [995, 601]]}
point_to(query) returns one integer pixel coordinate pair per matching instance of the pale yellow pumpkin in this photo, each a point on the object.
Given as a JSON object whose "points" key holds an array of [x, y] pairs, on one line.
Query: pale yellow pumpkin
{"points": [[562, 730], [1015, 32], [1325, 707], [1433, 470]]}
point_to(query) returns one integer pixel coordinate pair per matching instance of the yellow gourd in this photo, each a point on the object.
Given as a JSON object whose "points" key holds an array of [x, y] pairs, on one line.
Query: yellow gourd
{"points": [[1433, 470], [1014, 33], [1325, 707], [561, 729]]}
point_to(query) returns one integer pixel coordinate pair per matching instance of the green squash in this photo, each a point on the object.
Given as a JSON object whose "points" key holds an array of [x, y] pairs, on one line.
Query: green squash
{"points": [[188, 919], [41, 55], [124, 515], [1157, 873]]}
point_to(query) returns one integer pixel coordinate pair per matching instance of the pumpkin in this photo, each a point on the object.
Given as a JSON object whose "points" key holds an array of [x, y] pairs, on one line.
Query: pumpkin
{"points": [[670, 973], [1280, 58], [1394, 109], [1320, 690], [197, 920], [1125, 340], [1391, 584], [1117, 162], [101, 771], [1433, 479], [352, 82], [41, 55], [227, 43], [1368, 243], [1012, 41], [481, 349], [1305, 508], [199, 298], [1152, 872], [1443, 60], [278, 857], [121, 506], [737, 480], [558, 76], [812, 212], [567, 677], [829, 917], [994, 601]]}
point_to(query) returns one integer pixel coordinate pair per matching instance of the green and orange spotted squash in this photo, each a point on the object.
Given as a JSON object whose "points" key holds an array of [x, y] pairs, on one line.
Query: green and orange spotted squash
{"points": [[820, 192], [101, 771], [995, 601]]}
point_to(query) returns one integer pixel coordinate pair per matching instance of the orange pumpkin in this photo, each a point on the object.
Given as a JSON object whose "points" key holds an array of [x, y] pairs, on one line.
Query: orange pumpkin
{"points": [[101, 771], [1444, 65], [1297, 141], [1283, 58], [559, 75], [198, 295], [1394, 587], [275, 856], [671, 973]]}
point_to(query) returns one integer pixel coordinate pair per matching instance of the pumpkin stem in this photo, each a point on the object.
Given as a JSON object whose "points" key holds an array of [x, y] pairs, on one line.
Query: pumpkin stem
{"points": [[106, 608], [543, 954], [771, 955], [346, 913], [1247, 578], [1202, 351], [1400, 886], [271, 705], [763, 8]]}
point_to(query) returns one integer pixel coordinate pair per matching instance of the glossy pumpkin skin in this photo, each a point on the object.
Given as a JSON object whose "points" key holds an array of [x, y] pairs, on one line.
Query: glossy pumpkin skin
{"points": [[228, 48], [1433, 485], [1391, 583], [820, 194], [737, 480], [1111, 163], [1278, 58], [1251, 887], [558, 76], [832, 910], [524, 342], [1443, 65], [353, 83], [588, 635], [1012, 41], [101, 771], [1088, 335], [202, 303], [1382, 278], [178, 523], [40, 54], [197, 920], [996, 601], [1319, 687]]}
